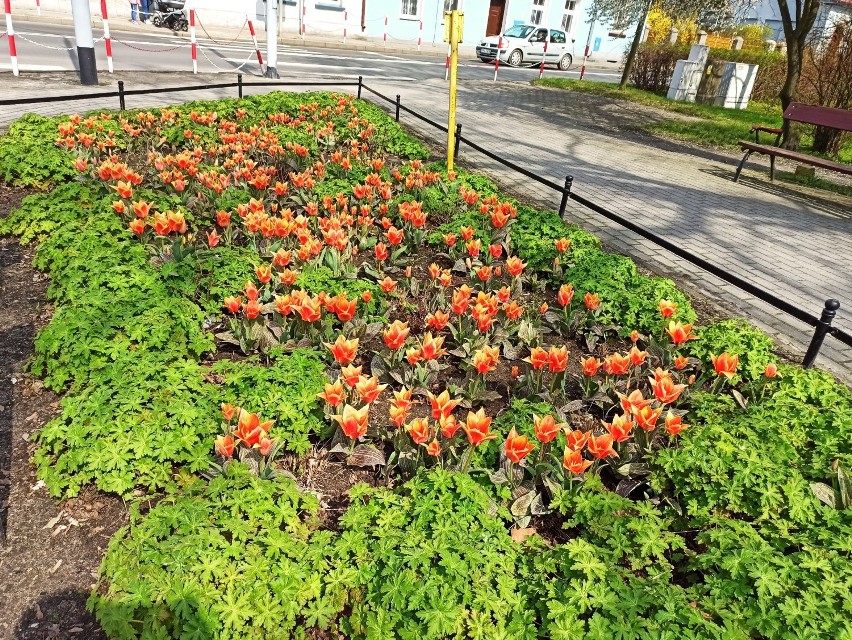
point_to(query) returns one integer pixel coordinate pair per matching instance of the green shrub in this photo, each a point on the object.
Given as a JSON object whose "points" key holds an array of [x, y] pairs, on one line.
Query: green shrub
{"points": [[29, 157], [234, 559], [433, 563], [737, 337], [760, 463], [317, 279]]}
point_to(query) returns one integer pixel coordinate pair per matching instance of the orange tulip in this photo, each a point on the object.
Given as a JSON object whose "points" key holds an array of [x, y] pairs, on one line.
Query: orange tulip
{"points": [[137, 226], [483, 272], [680, 362], [388, 284], [310, 310], [515, 266], [517, 447], [557, 359], [485, 360], [562, 244], [225, 446], [546, 428], [366, 295], [467, 233], [476, 427], [81, 164], [513, 310], [141, 209], [771, 370], [601, 446], [637, 357], [419, 430], [616, 364], [438, 320], [664, 388], [565, 295], [396, 334], [620, 427], [402, 398], [473, 247], [252, 309], [591, 366], [725, 364], [680, 332], [667, 308], [537, 358], [431, 348], [442, 405], [647, 417], [592, 301], [212, 238], [634, 336], [398, 415], [353, 421], [233, 304], [434, 448], [574, 462], [395, 236], [223, 218], [369, 388], [263, 273], [674, 424], [504, 293], [250, 429], [434, 271], [251, 291], [413, 356], [543, 308], [228, 411], [381, 252], [342, 349], [288, 277], [576, 440], [632, 403], [450, 239], [449, 426], [333, 394], [496, 250]]}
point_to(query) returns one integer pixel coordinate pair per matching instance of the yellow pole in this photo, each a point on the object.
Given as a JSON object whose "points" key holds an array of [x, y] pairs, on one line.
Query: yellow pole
{"points": [[455, 36]]}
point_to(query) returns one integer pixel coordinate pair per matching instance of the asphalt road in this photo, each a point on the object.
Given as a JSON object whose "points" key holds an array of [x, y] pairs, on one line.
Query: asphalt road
{"points": [[45, 47]]}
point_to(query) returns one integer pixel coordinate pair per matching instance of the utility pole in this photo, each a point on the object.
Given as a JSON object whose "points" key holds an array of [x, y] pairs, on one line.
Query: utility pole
{"points": [[453, 29], [271, 39], [85, 42]]}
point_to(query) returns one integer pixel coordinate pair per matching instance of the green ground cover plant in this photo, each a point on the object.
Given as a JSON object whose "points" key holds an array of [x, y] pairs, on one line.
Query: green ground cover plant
{"points": [[235, 281]]}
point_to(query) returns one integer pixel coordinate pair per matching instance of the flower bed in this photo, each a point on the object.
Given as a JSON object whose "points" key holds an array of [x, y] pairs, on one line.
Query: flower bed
{"points": [[248, 290]]}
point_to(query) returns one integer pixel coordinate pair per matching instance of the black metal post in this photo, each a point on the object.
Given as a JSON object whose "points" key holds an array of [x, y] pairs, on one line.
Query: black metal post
{"points": [[822, 328], [360, 84], [566, 191], [398, 102], [239, 85], [458, 140], [121, 104]]}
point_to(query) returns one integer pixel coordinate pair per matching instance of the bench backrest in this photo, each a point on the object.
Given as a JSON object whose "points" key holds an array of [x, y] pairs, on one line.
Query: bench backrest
{"points": [[821, 116]]}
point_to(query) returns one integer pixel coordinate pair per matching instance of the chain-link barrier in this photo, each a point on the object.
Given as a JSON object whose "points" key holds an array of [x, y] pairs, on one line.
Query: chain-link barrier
{"points": [[230, 70], [130, 46], [47, 46], [201, 24]]}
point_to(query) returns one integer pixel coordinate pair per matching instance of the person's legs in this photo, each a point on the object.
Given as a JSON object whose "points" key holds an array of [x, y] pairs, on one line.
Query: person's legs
{"points": [[134, 12], [143, 10]]}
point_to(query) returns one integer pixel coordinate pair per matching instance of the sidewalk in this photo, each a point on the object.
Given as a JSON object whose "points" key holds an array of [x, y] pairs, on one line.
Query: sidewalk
{"points": [[791, 243]]}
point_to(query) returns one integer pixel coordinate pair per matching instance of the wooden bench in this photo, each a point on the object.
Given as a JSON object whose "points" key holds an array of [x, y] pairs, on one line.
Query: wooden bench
{"points": [[807, 114]]}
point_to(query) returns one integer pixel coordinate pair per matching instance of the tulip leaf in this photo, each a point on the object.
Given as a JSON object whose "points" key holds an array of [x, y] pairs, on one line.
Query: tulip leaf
{"points": [[537, 506], [741, 400], [521, 506], [228, 337], [366, 455], [824, 493], [626, 487], [511, 352]]}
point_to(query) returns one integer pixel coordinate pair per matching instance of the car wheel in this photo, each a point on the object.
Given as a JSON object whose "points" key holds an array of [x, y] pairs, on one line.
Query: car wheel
{"points": [[515, 58], [565, 62], [158, 21]]}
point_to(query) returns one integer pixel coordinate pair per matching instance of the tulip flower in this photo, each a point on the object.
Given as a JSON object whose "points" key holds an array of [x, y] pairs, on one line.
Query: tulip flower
{"points": [[118, 206], [419, 430], [634, 336], [591, 366], [664, 388], [225, 446], [252, 309], [381, 252], [137, 226], [543, 308], [477, 426], [251, 291], [434, 448], [141, 209], [449, 426], [288, 277], [388, 284], [434, 271], [81, 164], [485, 359], [484, 272], [557, 359], [369, 389], [333, 394], [342, 349], [546, 428], [576, 440], [679, 333], [264, 445], [496, 250], [124, 189], [517, 447], [601, 446], [351, 375], [632, 403], [366, 295], [592, 301], [620, 427], [574, 462], [513, 310], [395, 236], [446, 278], [537, 358], [442, 404], [250, 429], [450, 239], [637, 357], [725, 364], [413, 356], [667, 308], [398, 415], [212, 238], [438, 320], [233, 304], [431, 348], [467, 233], [223, 218], [228, 411], [647, 417], [562, 244], [282, 258], [499, 219], [680, 362], [515, 266], [616, 364], [353, 421], [565, 295], [674, 424], [396, 334], [771, 370]]}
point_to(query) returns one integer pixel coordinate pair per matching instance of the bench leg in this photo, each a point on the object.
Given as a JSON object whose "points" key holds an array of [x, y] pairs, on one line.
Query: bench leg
{"points": [[742, 164], [772, 168]]}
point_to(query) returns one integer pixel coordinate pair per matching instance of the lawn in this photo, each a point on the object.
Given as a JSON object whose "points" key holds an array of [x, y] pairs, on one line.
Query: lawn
{"points": [[718, 126], [349, 394]]}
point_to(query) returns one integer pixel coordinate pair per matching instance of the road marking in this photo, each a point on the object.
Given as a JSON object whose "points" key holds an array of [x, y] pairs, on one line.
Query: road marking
{"points": [[32, 67], [284, 64]]}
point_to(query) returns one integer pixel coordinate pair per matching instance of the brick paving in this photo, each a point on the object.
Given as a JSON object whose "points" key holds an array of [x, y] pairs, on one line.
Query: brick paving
{"points": [[794, 243]]}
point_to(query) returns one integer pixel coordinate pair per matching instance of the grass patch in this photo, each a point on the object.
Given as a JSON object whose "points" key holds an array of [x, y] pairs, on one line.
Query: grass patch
{"points": [[816, 183]]}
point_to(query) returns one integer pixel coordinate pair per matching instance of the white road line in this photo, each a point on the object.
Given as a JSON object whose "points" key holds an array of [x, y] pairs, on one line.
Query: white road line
{"points": [[284, 64], [34, 67]]}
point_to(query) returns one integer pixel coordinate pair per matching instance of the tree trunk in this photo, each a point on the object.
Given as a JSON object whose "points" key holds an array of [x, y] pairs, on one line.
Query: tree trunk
{"points": [[827, 140], [792, 134], [634, 47]]}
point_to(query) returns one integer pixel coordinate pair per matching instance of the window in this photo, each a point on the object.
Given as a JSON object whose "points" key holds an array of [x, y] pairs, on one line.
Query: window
{"points": [[539, 36], [451, 5], [535, 16], [519, 31], [570, 5], [557, 37], [409, 8], [567, 19]]}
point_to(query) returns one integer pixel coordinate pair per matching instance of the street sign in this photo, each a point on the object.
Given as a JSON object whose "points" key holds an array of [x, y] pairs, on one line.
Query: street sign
{"points": [[597, 46], [457, 24]]}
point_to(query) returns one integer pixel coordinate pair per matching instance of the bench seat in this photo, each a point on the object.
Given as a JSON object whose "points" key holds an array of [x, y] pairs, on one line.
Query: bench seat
{"points": [[773, 152]]}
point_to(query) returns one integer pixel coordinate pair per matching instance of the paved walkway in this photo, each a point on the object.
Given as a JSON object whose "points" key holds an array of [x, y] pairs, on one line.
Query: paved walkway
{"points": [[792, 244]]}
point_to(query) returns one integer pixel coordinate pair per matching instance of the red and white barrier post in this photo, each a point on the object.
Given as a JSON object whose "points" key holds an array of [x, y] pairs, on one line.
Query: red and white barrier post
{"points": [[420, 35], [10, 32], [386, 31], [345, 22], [38, 7], [588, 47], [254, 41], [192, 40], [304, 18], [497, 59], [543, 56], [447, 68], [107, 40]]}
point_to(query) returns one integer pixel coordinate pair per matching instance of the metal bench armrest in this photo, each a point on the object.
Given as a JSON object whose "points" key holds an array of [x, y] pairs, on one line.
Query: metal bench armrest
{"points": [[778, 133]]}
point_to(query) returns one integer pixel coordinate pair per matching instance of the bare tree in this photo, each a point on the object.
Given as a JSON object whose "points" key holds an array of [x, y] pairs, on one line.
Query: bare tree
{"points": [[797, 27]]}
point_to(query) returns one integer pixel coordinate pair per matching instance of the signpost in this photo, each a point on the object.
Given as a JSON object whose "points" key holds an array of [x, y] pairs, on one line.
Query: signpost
{"points": [[453, 29]]}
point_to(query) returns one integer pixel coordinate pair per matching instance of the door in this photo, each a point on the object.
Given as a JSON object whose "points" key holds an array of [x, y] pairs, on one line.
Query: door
{"points": [[495, 17], [535, 48]]}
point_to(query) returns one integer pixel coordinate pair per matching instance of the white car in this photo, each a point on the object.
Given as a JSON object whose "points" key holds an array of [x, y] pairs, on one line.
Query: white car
{"points": [[524, 44]]}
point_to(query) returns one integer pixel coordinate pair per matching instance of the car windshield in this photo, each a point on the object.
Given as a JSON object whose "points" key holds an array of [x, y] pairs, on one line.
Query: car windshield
{"points": [[519, 31]]}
